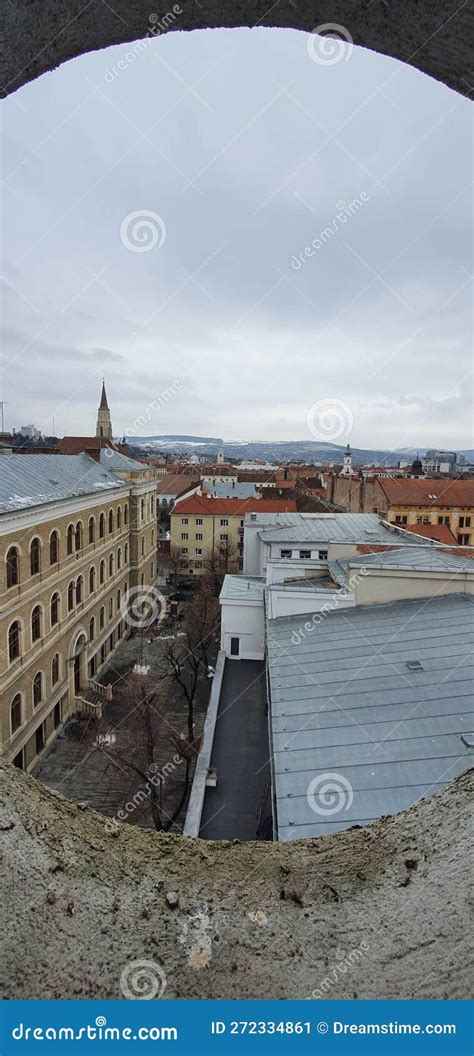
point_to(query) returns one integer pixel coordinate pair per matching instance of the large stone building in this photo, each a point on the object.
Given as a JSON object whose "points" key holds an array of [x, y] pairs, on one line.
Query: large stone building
{"points": [[76, 537], [410, 501]]}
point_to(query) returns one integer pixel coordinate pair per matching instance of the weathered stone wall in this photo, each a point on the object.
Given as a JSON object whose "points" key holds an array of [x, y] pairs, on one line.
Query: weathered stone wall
{"points": [[245, 920], [433, 36]]}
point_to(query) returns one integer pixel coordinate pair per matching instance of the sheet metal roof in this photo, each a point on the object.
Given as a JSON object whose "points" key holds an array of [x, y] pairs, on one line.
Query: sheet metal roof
{"points": [[347, 709], [115, 462], [242, 588], [409, 559], [337, 528], [241, 490], [33, 480]]}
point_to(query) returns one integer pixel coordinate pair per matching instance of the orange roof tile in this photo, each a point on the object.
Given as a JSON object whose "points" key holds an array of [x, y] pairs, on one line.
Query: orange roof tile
{"points": [[428, 492], [441, 533], [235, 507]]}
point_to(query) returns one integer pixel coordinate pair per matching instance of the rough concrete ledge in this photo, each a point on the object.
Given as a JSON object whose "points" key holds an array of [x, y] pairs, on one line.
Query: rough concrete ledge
{"points": [[198, 790], [250, 920], [433, 35]]}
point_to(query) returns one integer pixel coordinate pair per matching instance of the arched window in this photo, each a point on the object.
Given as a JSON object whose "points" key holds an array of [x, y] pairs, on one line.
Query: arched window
{"points": [[92, 629], [91, 530], [79, 590], [102, 572], [164, 502], [70, 539], [111, 608], [91, 580], [13, 567], [102, 618], [152, 538], [35, 556], [70, 597], [152, 504], [119, 598], [37, 689], [78, 536], [53, 548], [101, 526], [119, 516], [119, 557], [143, 547], [111, 565], [125, 515], [54, 609], [36, 623], [142, 507], [15, 713], [55, 669], [126, 553], [14, 641], [111, 521]]}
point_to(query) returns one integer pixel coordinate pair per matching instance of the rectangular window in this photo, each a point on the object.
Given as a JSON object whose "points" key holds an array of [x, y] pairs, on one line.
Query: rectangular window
{"points": [[401, 518], [198, 520], [323, 555], [463, 540], [198, 564], [199, 536], [224, 522], [184, 549], [184, 535], [443, 520], [305, 554], [423, 520], [198, 551], [224, 537], [285, 553], [184, 520], [234, 646]]}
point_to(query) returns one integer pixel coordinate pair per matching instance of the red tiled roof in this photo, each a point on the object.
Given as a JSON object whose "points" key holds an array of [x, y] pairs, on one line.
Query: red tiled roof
{"points": [[75, 445], [235, 507], [175, 484], [401, 492], [441, 533]]}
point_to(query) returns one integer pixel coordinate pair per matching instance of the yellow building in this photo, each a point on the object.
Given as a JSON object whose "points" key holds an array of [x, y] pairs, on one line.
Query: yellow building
{"points": [[75, 538], [206, 529]]}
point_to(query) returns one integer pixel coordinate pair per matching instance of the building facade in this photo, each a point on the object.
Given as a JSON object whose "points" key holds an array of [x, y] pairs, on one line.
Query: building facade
{"points": [[205, 529], [75, 539]]}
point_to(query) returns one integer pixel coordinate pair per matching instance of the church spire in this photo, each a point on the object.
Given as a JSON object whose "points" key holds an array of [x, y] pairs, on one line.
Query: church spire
{"points": [[103, 399], [104, 424]]}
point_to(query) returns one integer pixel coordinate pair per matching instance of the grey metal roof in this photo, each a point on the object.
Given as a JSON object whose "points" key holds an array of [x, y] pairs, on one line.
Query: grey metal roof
{"points": [[409, 559], [242, 588], [241, 490], [320, 528], [115, 462], [347, 709], [33, 480]]}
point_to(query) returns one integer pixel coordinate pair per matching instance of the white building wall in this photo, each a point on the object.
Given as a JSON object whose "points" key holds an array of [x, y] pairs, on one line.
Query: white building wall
{"points": [[289, 603], [246, 622]]}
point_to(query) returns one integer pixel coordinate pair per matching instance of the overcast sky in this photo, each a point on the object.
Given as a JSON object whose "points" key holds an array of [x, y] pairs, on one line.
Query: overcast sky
{"points": [[244, 147]]}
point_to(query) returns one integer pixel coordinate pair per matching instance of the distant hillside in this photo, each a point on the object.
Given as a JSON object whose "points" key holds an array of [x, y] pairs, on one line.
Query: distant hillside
{"points": [[272, 451]]}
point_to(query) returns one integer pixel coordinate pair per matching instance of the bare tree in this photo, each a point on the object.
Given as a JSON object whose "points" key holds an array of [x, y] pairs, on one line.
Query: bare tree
{"points": [[217, 563], [173, 561], [186, 658], [142, 757]]}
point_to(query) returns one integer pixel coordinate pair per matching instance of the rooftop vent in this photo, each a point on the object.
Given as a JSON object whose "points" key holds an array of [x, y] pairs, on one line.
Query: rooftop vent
{"points": [[415, 665], [253, 516], [468, 739]]}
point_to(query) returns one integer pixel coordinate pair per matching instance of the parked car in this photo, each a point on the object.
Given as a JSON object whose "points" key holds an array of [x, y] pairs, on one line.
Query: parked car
{"points": [[177, 595], [185, 584]]}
